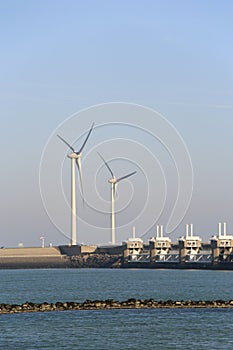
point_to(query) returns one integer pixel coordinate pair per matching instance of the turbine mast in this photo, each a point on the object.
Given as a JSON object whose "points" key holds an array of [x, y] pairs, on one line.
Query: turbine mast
{"points": [[113, 181], [113, 213], [73, 204]]}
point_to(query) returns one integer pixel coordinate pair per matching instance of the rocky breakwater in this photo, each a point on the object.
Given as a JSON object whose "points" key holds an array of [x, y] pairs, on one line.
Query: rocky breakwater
{"points": [[112, 304], [96, 261]]}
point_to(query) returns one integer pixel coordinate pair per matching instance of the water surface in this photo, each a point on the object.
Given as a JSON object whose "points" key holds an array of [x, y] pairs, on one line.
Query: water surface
{"points": [[116, 329]]}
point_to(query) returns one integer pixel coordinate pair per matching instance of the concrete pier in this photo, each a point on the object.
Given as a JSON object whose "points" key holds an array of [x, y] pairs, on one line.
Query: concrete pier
{"points": [[189, 246], [222, 245], [133, 247], [159, 246]]}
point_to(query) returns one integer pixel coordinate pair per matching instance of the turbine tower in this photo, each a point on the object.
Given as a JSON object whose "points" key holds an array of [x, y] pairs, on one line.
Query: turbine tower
{"points": [[113, 181], [75, 157]]}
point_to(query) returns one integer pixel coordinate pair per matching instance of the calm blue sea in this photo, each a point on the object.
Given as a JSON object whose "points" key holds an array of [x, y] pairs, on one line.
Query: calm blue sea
{"points": [[116, 329]]}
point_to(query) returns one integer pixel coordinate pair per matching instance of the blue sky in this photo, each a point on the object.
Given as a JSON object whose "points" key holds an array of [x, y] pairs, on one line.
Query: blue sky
{"points": [[58, 57]]}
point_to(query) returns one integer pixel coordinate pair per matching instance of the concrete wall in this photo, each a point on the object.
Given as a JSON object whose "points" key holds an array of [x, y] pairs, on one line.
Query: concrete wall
{"points": [[85, 249], [110, 249], [75, 250], [31, 258], [72, 250], [33, 262], [17, 252]]}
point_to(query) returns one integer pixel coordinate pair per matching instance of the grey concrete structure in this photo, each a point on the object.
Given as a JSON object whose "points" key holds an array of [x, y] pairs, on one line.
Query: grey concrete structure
{"points": [[222, 246], [189, 246], [159, 246], [132, 248]]}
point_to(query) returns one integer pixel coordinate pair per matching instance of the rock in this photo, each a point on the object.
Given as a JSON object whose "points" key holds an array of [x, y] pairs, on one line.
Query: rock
{"points": [[96, 261], [131, 303]]}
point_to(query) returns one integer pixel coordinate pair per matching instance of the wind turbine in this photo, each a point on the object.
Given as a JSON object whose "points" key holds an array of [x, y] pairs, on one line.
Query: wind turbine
{"points": [[113, 181], [75, 157]]}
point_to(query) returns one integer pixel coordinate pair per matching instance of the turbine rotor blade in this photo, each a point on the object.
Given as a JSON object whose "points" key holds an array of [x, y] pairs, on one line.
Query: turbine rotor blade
{"points": [[78, 162], [114, 191], [116, 195], [108, 167], [88, 135], [67, 144], [125, 177]]}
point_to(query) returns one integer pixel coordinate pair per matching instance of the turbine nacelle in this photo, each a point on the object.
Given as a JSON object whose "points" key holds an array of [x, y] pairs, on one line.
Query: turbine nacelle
{"points": [[74, 155], [113, 180], [77, 155]]}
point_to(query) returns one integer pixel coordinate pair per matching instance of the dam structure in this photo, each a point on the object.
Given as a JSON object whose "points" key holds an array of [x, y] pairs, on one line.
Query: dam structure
{"points": [[188, 252]]}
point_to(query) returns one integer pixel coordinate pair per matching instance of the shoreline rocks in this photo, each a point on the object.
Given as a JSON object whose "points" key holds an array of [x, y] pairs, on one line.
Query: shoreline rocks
{"points": [[62, 261], [113, 304], [96, 261]]}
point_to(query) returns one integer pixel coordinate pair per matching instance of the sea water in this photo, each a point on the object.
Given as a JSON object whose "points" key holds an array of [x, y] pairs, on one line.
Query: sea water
{"points": [[116, 329]]}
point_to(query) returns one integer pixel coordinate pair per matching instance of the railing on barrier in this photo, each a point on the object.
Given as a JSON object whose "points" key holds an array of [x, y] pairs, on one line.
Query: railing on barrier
{"points": [[205, 258], [139, 258], [172, 258], [167, 258]]}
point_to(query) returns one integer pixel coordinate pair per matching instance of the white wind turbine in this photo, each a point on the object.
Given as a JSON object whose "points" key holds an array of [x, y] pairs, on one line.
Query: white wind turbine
{"points": [[75, 157], [113, 181]]}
